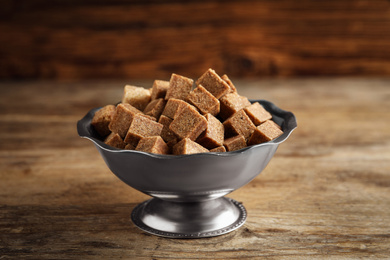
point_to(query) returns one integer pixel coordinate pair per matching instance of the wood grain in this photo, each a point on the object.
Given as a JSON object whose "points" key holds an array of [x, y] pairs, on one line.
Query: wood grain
{"points": [[149, 39], [325, 194]]}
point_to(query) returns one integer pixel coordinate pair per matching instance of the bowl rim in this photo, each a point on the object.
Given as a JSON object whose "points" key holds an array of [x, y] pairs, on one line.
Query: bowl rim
{"points": [[290, 124]]}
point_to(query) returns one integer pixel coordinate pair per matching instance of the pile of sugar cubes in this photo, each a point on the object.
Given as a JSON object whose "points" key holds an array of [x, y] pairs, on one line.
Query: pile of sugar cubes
{"points": [[174, 117]]}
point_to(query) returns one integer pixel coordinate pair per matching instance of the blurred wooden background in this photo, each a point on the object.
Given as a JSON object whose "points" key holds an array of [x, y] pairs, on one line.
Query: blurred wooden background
{"points": [[151, 39]]}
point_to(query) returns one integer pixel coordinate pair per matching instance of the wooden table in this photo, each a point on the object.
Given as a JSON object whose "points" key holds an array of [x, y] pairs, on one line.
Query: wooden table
{"points": [[325, 194]]}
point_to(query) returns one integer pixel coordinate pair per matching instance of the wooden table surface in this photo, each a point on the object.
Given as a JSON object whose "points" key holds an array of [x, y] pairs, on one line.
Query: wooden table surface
{"points": [[325, 194]]}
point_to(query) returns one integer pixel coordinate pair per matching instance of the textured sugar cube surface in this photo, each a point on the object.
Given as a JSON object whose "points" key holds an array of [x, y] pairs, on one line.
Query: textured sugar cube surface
{"points": [[203, 100], [142, 127], [122, 118], [214, 134], [138, 97], [235, 143], [159, 89], [176, 116], [102, 119], [189, 123], [187, 146], [152, 144]]}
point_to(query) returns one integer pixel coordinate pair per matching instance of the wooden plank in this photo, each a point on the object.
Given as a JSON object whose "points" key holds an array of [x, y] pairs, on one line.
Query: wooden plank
{"points": [[151, 39], [325, 194]]}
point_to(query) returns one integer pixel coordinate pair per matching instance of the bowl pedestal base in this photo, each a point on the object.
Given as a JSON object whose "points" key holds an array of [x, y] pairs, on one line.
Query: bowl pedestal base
{"points": [[198, 219]]}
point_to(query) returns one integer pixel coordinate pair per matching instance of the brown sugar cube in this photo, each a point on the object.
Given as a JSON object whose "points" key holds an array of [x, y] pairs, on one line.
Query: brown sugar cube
{"points": [[232, 103], [171, 144], [155, 108], [213, 83], [245, 101], [214, 134], [179, 87], [203, 100], [152, 144], [122, 118], [159, 89], [166, 133], [239, 124], [187, 146], [148, 116], [230, 83], [235, 143], [188, 123], [115, 140], [265, 132], [140, 127], [129, 147], [102, 119], [257, 113], [138, 97], [173, 106], [219, 149]]}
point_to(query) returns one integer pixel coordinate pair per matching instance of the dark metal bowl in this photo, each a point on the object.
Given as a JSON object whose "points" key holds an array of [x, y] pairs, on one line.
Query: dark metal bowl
{"points": [[193, 183]]}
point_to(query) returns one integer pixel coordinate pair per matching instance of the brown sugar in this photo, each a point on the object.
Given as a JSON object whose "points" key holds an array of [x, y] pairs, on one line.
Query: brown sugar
{"points": [[129, 147], [152, 144], [203, 100], [187, 146], [102, 119], [159, 89], [239, 124], [172, 143], [179, 87], [173, 106], [138, 97], [115, 140], [232, 103], [122, 118], [155, 108], [188, 123], [166, 133], [219, 149], [140, 127], [213, 83], [230, 83], [170, 117], [214, 134], [235, 143], [265, 132], [257, 113]]}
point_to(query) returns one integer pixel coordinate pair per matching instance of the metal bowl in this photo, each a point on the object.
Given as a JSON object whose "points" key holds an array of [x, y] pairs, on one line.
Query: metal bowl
{"points": [[188, 190]]}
